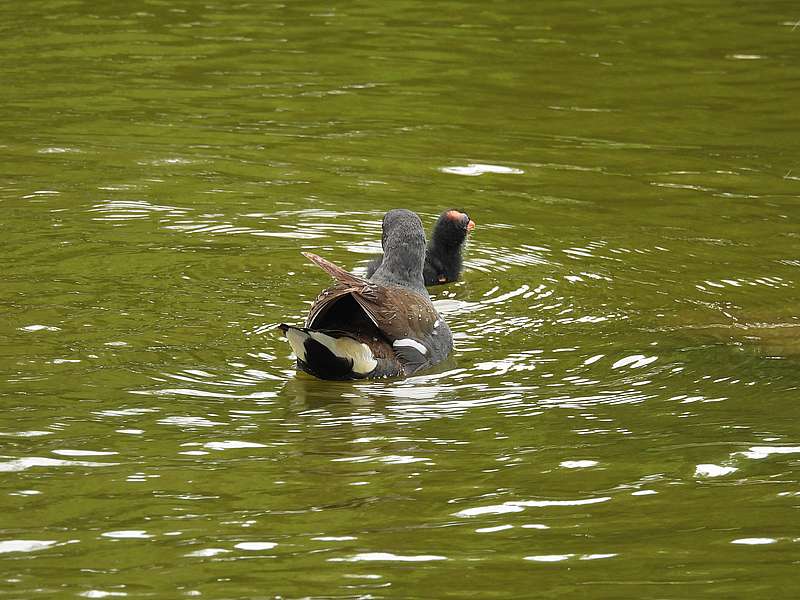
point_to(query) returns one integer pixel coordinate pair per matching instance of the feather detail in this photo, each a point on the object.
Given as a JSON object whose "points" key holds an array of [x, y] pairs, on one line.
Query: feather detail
{"points": [[337, 272]]}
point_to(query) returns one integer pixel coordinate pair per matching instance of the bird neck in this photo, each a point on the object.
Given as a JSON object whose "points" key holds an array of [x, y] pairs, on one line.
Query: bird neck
{"points": [[402, 265]]}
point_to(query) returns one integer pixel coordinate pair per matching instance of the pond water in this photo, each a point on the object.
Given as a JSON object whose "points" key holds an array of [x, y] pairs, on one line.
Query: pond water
{"points": [[620, 416]]}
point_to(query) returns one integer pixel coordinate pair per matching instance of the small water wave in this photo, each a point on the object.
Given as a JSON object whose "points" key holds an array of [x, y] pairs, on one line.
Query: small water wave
{"points": [[127, 534], [40, 328], [388, 556], [126, 210], [521, 505], [738, 461], [303, 224], [204, 384], [30, 462], [476, 169], [772, 282], [492, 259], [548, 558], [25, 545]]}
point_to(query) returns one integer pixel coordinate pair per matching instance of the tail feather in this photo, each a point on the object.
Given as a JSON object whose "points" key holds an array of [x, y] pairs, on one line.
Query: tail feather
{"points": [[327, 356], [335, 271]]}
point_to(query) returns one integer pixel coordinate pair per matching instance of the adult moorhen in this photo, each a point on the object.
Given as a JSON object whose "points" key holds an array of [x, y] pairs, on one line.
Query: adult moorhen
{"points": [[382, 327]]}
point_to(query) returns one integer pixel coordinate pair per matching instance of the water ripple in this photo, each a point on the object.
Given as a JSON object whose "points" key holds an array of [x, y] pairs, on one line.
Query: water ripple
{"points": [[29, 462]]}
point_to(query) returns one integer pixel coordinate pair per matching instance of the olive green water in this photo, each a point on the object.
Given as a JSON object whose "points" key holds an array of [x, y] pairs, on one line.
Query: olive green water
{"points": [[620, 417]]}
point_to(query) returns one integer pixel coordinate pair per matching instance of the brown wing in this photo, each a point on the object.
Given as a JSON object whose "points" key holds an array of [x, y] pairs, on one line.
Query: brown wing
{"points": [[409, 322], [346, 283], [325, 300], [396, 311], [399, 312]]}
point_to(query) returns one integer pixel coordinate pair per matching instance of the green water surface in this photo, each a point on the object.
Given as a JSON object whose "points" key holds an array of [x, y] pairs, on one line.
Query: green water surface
{"points": [[620, 416]]}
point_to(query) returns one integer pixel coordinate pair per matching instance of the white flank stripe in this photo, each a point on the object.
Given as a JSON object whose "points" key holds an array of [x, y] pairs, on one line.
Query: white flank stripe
{"points": [[411, 344]]}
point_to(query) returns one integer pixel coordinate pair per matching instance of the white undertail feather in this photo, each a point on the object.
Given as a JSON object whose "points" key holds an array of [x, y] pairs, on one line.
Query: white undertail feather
{"points": [[344, 347], [297, 340]]}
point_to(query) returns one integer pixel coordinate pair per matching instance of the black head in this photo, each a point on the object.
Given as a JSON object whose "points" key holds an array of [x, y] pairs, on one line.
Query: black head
{"points": [[451, 229], [403, 250]]}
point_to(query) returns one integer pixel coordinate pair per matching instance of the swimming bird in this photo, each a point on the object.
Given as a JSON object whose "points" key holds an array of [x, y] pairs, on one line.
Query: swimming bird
{"points": [[443, 254], [382, 327]]}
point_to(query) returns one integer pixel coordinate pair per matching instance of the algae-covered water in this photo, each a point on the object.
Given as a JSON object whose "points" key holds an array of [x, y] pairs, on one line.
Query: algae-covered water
{"points": [[620, 416]]}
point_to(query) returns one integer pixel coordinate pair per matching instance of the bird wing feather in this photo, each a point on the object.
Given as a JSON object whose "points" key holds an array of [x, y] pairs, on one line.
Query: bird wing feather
{"points": [[335, 271], [399, 313]]}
